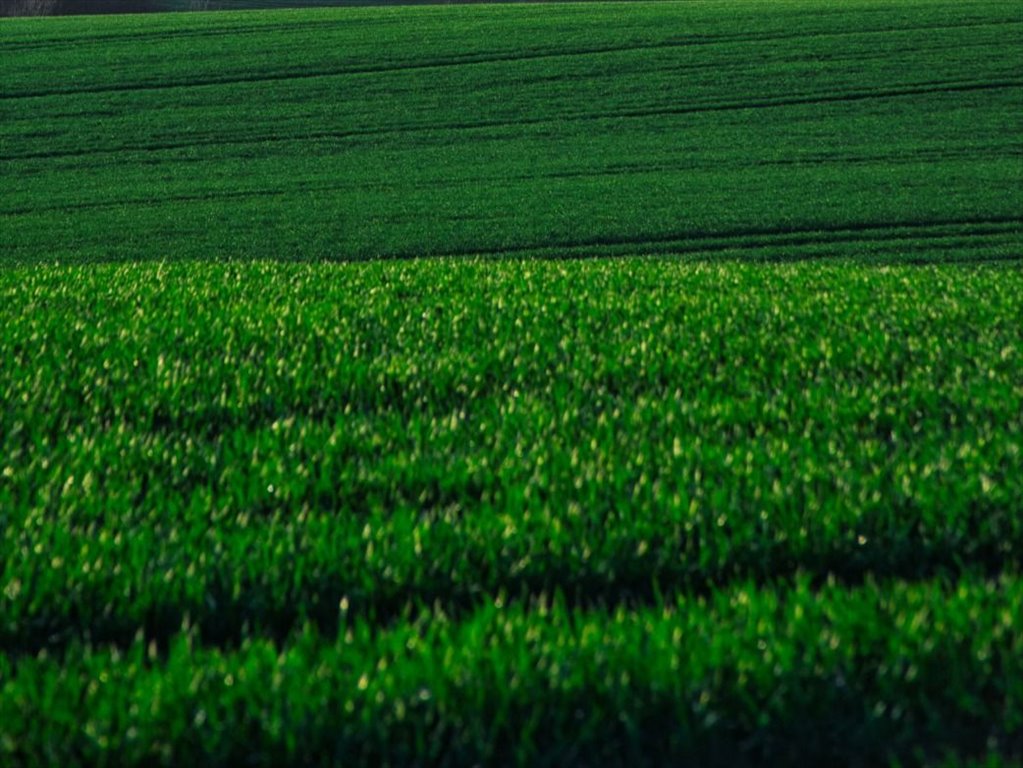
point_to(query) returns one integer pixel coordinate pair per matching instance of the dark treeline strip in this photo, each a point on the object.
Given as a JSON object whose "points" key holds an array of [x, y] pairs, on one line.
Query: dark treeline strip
{"points": [[89, 7], [69, 7]]}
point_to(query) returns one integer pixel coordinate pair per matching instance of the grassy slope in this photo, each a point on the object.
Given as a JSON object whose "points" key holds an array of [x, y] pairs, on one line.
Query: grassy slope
{"points": [[397, 132], [604, 512]]}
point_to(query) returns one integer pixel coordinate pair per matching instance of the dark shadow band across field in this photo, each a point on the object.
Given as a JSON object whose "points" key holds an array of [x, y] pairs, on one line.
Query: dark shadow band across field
{"points": [[746, 678], [978, 241], [975, 241], [229, 613]]}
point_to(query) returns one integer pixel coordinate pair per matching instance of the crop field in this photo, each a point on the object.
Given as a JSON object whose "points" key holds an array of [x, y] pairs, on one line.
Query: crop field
{"points": [[543, 385]]}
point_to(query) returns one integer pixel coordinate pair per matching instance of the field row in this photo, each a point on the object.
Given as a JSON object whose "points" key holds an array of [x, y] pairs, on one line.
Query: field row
{"points": [[247, 445], [750, 676]]}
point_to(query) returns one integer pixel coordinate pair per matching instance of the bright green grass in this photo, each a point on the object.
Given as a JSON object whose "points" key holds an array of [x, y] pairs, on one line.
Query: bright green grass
{"points": [[459, 511], [249, 449]]}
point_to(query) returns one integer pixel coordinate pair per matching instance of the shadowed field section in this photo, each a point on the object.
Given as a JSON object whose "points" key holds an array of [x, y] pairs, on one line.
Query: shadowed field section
{"points": [[555, 130], [755, 674]]}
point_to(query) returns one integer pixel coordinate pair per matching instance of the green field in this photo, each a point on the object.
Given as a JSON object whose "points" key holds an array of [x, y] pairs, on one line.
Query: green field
{"points": [[765, 129], [607, 384]]}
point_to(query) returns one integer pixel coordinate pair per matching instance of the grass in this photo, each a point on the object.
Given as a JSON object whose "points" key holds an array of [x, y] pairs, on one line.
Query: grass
{"points": [[749, 676], [773, 132], [736, 483], [229, 453]]}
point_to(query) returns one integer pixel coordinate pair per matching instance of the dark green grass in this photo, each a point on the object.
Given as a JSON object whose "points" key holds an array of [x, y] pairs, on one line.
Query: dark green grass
{"points": [[836, 676], [479, 510], [768, 130]]}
